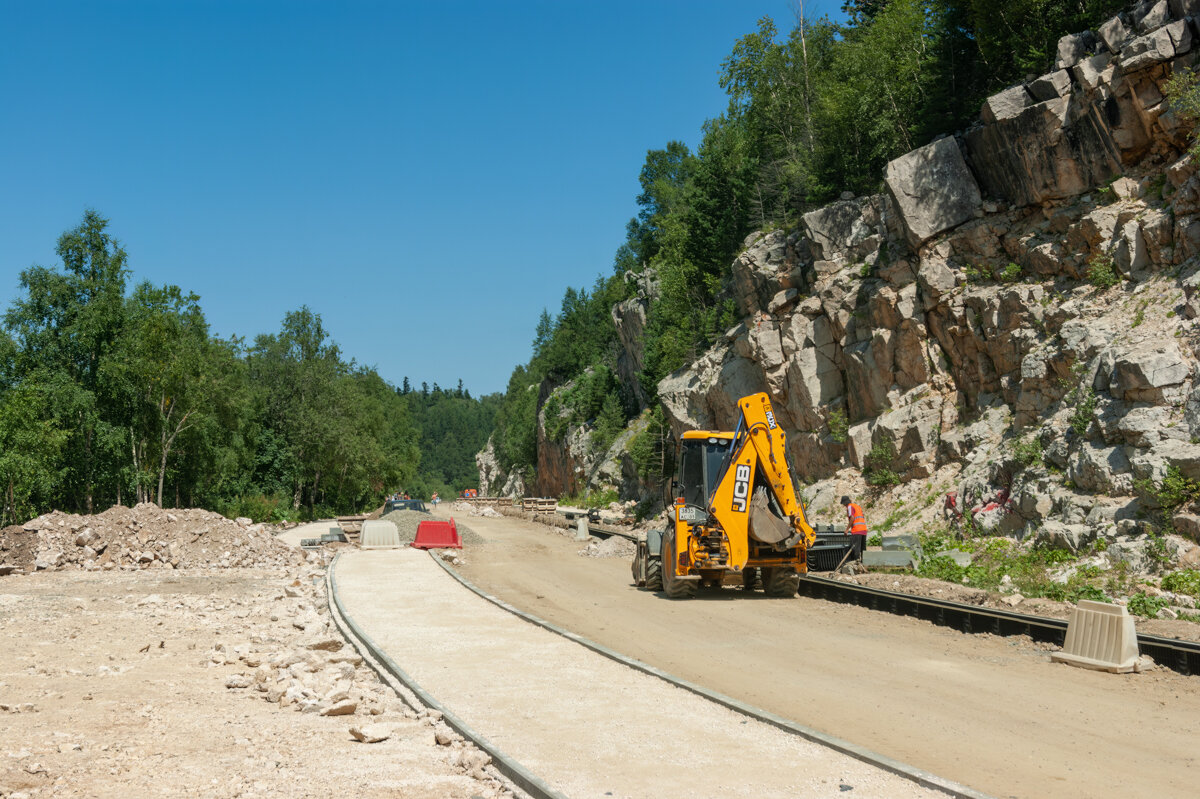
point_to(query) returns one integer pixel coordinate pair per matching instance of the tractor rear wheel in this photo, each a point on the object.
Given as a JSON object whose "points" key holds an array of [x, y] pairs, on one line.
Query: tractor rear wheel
{"points": [[750, 578], [638, 567], [781, 581], [672, 586], [654, 581]]}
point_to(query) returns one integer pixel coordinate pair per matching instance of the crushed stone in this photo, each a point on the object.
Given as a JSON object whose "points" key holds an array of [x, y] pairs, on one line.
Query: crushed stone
{"points": [[143, 537]]}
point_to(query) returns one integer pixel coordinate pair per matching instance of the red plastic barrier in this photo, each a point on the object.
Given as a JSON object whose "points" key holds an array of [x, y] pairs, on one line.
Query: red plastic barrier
{"points": [[437, 535]]}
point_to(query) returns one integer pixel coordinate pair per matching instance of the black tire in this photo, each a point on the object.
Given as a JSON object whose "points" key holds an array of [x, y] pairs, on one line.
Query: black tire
{"points": [[781, 581], [638, 567], [654, 581], [672, 586], [750, 578]]}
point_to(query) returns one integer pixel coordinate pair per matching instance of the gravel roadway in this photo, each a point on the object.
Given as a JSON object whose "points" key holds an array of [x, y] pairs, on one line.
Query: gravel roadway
{"points": [[988, 712], [586, 725]]}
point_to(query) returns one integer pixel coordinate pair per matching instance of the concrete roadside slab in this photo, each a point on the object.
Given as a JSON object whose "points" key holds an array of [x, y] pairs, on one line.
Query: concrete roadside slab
{"points": [[586, 725], [894, 558], [310, 530]]}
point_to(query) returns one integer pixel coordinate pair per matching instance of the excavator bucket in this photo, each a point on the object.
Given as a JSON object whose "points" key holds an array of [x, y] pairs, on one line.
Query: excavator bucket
{"points": [[437, 535], [765, 526]]}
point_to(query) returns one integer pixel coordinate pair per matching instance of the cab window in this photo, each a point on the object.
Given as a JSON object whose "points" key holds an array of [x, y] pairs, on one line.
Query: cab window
{"points": [[691, 474]]}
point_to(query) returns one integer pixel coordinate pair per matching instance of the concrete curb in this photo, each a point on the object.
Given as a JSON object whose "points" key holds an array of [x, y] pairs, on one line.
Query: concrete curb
{"points": [[919, 776], [514, 771]]}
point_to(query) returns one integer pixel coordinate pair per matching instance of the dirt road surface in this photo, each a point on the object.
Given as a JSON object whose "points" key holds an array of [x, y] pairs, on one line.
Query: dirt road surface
{"points": [[992, 713]]}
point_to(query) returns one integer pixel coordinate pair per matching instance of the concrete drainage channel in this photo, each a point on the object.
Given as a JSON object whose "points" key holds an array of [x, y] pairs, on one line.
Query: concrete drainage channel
{"points": [[378, 659], [538, 788]]}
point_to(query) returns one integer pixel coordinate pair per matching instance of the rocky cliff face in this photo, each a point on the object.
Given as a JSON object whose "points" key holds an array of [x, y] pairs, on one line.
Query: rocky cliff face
{"points": [[928, 330]]}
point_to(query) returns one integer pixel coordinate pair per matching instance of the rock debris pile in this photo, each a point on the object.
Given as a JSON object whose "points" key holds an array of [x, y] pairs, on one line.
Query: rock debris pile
{"points": [[614, 547], [477, 510], [142, 537], [313, 670]]}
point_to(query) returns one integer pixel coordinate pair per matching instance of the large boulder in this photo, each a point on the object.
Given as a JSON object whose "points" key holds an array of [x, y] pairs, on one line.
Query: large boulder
{"points": [[836, 228], [933, 190], [1150, 14], [913, 431], [1183, 455], [1156, 47], [1114, 34], [768, 265], [814, 380], [1101, 470], [629, 317], [1073, 47], [1149, 374], [1067, 537], [1049, 87], [1007, 104], [1052, 150], [1140, 427]]}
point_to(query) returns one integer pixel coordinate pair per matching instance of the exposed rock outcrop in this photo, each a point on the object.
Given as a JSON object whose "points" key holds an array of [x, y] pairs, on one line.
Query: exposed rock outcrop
{"points": [[1031, 281]]}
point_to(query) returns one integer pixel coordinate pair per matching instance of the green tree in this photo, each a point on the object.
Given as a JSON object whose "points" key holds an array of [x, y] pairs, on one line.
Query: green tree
{"points": [[65, 327], [873, 95], [664, 179], [31, 445], [1019, 37], [171, 372]]}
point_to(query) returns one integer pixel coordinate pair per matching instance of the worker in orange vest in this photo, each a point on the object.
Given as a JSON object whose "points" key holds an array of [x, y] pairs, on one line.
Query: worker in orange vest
{"points": [[856, 525]]}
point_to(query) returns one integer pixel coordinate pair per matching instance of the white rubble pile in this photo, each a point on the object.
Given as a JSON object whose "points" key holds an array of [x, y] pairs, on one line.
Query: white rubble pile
{"points": [[612, 547], [149, 537]]}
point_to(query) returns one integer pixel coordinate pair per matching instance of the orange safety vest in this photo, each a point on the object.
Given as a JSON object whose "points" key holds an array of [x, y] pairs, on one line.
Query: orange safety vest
{"points": [[858, 520]]}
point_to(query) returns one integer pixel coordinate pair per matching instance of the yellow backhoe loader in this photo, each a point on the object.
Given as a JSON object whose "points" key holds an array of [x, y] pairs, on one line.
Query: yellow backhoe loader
{"points": [[734, 513]]}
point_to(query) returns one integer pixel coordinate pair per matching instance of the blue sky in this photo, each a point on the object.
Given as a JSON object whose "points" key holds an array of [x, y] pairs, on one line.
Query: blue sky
{"points": [[425, 176]]}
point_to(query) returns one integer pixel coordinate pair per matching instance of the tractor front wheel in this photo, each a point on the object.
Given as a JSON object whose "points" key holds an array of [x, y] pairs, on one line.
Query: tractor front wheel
{"points": [[781, 581], [672, 586]]}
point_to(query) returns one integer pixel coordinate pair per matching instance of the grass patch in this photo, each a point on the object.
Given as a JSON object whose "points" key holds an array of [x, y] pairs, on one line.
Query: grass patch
{"points": [[1101, 272], [1085, 410], [1028, 453], [1147, 606], [1011, 273], [1184, 581], [592, 499], [1030, 571], [879, 469], [839, 427], [1173, 493]]}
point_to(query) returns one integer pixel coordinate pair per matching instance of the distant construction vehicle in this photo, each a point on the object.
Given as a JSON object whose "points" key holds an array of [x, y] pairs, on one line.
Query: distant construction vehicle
{"points": [[735, 512]]}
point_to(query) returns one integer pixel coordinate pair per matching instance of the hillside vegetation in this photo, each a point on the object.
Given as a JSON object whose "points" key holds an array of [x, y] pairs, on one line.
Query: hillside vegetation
{"points": [[813, 112]]}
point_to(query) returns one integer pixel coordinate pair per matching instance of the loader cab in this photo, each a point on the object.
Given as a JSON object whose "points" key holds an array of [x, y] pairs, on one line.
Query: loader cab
{"points": [[702, 454]]}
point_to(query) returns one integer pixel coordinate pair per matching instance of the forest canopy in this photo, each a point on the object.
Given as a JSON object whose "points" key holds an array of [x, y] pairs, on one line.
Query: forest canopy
{"points": [[115, 395]]}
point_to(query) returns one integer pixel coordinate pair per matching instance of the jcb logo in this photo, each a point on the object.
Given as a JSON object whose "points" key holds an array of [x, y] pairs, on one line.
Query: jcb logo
{"points": [[771, 420], [741, 487]]}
